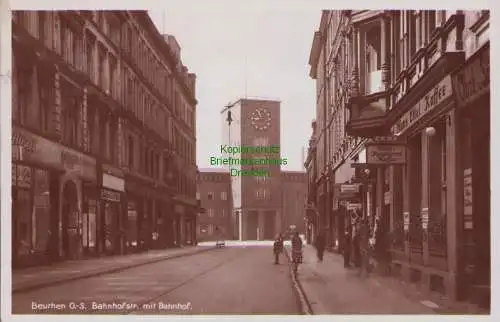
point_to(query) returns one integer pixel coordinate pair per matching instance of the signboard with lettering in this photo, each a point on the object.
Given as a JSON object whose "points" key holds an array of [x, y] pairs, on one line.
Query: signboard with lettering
{"points": [[473, 80], [437, 95], [385, 154], [27, 146], [110, 195], [349, 191]]}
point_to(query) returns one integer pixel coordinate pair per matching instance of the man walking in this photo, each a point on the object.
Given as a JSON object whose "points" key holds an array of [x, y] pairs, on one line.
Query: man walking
{"points": [[277, 248], [320, 246]]}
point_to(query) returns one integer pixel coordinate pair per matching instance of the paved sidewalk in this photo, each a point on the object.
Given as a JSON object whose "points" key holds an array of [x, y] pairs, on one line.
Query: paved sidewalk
{"points": [[332, 289], [38, 277]]}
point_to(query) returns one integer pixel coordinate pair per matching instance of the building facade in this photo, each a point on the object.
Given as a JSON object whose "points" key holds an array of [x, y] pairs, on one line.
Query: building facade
{"points": [[103, 139], [214, 191], [294, 186], [410, 76], [256, 198]]}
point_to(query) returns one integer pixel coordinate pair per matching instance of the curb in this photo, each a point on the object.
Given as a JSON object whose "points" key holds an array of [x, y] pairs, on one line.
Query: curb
{"points": [[36, 286], [304, 303]]}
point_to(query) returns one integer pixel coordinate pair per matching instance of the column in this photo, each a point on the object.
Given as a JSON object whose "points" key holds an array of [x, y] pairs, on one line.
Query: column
{"points": [[454, 200], [261, 225], [424, 204], [385, 51], [84, 118], [56, 117], [240, 225]]}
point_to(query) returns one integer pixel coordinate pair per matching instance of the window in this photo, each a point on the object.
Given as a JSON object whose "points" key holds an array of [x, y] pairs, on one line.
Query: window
{"points": [[23, 95], [130, 152], [223, 195], [223, 212], [71, 109], [46, 99], [431, 22], [89, 52], [412, 30], [113, 79], [210, 196], [210, 212], [203, 229]]}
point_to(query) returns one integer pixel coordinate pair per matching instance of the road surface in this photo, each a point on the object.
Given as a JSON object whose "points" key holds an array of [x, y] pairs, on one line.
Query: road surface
{"points": [[232, 280]]}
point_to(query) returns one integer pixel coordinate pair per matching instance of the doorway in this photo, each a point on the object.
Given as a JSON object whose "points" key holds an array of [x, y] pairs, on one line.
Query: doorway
{"points": [[71, 223]]}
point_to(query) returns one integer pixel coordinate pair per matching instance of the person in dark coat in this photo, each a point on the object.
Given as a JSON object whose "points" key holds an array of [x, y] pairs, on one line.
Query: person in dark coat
{"points": [[320, 246], [278, 248], [347, 248]]}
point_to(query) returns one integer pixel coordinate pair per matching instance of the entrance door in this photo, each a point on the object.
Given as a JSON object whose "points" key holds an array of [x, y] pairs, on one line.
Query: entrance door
{"points": [[71, 223]]}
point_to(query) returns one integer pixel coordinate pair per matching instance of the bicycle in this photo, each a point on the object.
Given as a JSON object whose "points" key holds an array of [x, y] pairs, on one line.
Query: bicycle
{"points": [[296, 260]]}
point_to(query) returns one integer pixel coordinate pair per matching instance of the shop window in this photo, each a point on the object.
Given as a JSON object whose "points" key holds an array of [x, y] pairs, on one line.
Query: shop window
{"points": [[438, 193], [132, 234], [22, 212], [89, 226], [41, 211], [415, 192]]}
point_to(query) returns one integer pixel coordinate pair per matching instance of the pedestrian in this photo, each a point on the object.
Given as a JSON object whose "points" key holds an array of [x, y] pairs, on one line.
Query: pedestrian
{"points": [[277, 248], [296, 248], [347, 248], [319, 243]]}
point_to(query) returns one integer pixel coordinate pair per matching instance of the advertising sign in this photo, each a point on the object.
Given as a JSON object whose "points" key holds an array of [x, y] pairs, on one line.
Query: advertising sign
{"points": [[385, 154]]}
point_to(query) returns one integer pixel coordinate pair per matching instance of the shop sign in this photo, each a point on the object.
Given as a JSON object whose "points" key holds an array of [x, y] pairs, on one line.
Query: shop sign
{"points": [[473, 80], [51, 154], [22, 176], [349, 191], [424, 217], [427, 104], [406, 221], [387, 198], [385, 154], [468, 192], [110, 195], [353, 206], [21, 145], [112, 182]]}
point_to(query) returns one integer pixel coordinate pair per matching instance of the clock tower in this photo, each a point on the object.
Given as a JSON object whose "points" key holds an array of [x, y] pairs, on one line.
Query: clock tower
{"points": [[256, 198]]}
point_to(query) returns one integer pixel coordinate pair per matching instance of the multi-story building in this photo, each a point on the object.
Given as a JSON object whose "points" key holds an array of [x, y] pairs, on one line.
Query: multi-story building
{"points": [[312, 216], [214, 192], [294, 195], [103, 139], [256, 198], [410, 76]]}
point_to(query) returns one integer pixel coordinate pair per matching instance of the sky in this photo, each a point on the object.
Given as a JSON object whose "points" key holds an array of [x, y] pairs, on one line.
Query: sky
{"points": [[261, 50]]}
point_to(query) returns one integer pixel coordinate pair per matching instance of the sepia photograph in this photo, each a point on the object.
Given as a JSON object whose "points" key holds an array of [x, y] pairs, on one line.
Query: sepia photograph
{"points": [[277, 160]]}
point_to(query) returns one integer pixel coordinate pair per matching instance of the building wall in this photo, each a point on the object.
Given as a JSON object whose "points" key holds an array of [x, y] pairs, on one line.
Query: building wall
{"points": [[294, 185], [106, 114], [382, 54], [214, 190]]}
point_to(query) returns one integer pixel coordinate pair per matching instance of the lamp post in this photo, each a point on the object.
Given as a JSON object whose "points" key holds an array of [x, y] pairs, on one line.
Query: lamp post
{"points": [[229, 120]]}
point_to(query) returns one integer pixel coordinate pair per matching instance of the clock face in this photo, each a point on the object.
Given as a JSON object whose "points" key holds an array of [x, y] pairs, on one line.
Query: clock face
{"points": [[261, 119]]}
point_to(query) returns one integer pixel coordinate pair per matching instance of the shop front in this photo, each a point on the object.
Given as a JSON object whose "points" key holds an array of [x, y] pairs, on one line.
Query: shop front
{"points": [[471, 83], [114, 218], [47, 199], [426, 206]]}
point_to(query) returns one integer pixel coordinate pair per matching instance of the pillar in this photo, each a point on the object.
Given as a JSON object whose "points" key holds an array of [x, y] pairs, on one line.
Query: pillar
{"points": [[454, 205], [240, 225], [261, 225], [56, 117], [385, 51], [425, 204]]}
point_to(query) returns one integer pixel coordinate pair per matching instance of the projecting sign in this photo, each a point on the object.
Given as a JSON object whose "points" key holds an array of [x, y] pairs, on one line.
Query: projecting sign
{"points": [[385, 154], [349, 191]]}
